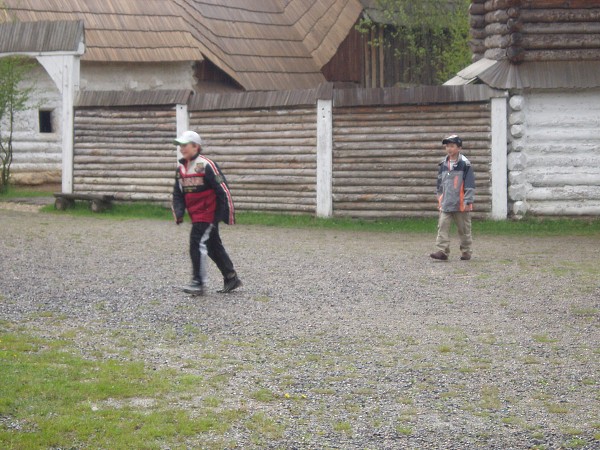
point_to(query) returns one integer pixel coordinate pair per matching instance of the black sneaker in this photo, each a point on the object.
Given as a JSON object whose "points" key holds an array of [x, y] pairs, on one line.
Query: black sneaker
{"points": [[230, 284], [194, 288]]}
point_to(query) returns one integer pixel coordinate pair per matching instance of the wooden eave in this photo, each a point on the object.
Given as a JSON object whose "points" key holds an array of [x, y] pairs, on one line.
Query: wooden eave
{"points": [[41, 37]]}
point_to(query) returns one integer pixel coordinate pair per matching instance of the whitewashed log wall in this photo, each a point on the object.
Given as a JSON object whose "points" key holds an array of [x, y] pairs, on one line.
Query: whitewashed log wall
{"points": [[126, 152], [554, 159], [385, 159], [268, 155]]}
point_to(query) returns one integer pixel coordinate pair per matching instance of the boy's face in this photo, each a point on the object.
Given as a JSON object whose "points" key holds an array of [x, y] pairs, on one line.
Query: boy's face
{"points": [[452, 150], [188, 151]]}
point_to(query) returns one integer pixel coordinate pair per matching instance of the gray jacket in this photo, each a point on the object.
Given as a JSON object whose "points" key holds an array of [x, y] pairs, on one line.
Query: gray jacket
{"points": [[456, 185]]}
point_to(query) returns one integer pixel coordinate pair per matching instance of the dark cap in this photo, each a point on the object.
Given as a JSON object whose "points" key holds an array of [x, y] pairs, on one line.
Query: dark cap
{"points": [[453, 139]]}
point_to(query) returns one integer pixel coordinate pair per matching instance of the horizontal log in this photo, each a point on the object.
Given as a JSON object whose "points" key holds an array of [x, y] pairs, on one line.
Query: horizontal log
{"points": [[124, 114], [124, 188], [341, 138], [373, 112], [200, 117], [561, 41], [563, 28], [477, 45], [218, 151], [493, 5], [128, 196], [126, 181], [402, 130], [268, 199], [396, 190], [111, 166], [234, 178], [217, 129], [477, 9], [400, 192], [276, 172], [116, 158], [548, 208], [140, 122], [562, 55], [215, 118], [125, 173], [566, 4], [279, 187], [560, 15], [428, 199], [387, 206], [108, 151], [383, 214], [272, 159], [244, 194], [375, 151], [285, 207], [273, 142]]}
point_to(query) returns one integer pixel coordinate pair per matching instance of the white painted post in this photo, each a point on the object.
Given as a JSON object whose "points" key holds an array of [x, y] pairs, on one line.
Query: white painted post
{"points": [[499, 159], [324, 158], [65, 72], [183, 123]]}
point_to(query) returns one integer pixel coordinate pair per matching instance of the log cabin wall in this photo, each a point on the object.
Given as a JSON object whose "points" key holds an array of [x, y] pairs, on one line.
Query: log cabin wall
{"points": [[535, 30], [385, 158], [126, 151], [554, 159], [267, 155], [385, 152]]}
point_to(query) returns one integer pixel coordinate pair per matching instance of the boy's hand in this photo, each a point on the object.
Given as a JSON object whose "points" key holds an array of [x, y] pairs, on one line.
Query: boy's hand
{"points": [[178, 220]]}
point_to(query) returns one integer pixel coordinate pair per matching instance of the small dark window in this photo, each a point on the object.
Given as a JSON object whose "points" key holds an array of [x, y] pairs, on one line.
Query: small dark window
{"points": [[45, 121]]}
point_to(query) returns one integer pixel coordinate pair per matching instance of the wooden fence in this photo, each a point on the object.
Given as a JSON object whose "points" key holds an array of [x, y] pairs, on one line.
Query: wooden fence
{"points": [[384, 147]]}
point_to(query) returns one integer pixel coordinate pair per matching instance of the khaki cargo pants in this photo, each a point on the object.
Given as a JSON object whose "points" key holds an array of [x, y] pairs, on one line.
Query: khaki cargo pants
{"points": [[463, 225]]}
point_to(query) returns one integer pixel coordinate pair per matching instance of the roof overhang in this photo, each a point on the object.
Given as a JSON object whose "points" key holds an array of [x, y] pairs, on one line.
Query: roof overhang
{"points": [[42, 38], [530, 75]]}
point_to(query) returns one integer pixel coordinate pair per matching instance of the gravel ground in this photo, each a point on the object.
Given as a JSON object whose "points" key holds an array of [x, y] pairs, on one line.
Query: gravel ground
{"points": [[343, 340]]}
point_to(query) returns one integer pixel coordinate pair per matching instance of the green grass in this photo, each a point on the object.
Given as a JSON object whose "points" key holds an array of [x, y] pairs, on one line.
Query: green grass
{"points": [[21, 192], [527, 227], [52, 398]]}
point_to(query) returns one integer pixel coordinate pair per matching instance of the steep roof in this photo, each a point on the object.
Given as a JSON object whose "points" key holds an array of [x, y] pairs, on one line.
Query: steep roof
{"points": [[38, 37], [271, 44]]}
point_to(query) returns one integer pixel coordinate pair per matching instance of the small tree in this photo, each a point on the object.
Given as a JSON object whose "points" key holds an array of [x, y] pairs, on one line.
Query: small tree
{"points": [[432, 34], [13, 98]]}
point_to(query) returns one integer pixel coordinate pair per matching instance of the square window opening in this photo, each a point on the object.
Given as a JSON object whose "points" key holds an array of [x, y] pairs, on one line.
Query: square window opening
{"points": [[46, 121]]}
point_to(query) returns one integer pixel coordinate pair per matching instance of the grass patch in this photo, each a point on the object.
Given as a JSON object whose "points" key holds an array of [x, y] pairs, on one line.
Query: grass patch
{"points": [[527, 227], [51, 398], [119, 211], [11, 192]]}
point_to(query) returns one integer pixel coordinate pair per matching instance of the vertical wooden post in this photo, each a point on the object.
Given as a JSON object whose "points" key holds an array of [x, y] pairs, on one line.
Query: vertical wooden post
{"points": [[499, 158], [183, 122], [64, 71], [324, 158]]}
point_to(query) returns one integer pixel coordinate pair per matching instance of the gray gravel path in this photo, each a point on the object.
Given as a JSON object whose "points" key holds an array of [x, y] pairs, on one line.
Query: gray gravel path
{"points": [[360, 340]]}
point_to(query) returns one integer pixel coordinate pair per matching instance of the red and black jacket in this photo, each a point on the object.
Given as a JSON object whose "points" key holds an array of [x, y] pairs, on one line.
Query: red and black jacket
{"points": [[201, 188]]}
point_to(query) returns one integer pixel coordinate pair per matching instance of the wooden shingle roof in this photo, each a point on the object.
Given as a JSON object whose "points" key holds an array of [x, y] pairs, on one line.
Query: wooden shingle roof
{"points": [[41, 37], [119, 31], [271, 44]]}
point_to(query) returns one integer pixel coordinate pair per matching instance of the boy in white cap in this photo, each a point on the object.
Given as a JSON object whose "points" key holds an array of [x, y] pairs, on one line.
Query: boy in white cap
{"points": [[201, 188], [456, 193]]}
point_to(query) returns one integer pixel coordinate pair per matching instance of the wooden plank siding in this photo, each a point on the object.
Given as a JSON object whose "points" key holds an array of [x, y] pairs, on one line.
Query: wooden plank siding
{"points": [[267, 155], [385, 157], [127, 152]]}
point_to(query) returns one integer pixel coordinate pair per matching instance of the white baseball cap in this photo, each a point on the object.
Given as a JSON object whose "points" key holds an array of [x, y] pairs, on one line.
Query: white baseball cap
{"points": [[187, 137]]}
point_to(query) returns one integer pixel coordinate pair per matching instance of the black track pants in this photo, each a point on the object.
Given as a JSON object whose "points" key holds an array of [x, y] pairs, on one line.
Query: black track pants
{"points": [[205, 241]]}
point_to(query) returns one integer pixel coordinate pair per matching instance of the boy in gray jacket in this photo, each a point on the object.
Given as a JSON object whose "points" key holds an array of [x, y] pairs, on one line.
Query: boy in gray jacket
{"points": [[456, 193]]}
